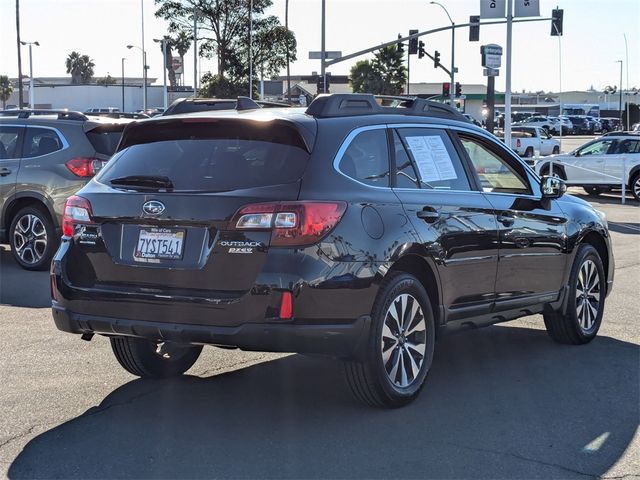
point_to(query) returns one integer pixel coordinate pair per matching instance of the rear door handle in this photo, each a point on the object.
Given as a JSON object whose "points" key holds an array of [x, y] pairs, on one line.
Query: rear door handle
{"points": [[4, 171], [428, 214], [506, 218]]}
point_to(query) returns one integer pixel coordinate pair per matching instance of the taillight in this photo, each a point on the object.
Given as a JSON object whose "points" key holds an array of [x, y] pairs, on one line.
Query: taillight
{"points": [[77, 210], [292, 224], [85, 166], [518, 143], [286, 305]]}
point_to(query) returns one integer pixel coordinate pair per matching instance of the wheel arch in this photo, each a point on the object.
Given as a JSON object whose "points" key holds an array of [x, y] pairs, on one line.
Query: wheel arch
{"points": [[423, 268], [545, 166], [26, 199], [634, 171], [597, 241]]}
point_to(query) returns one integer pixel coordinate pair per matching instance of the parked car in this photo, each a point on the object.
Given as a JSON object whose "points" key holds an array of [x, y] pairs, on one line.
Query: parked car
{"points": [[350, 229], [599, 165], [596, 124], [102, 110], [581, 125], [550, 124], [526, 141], [610, 124], [46, 156]]}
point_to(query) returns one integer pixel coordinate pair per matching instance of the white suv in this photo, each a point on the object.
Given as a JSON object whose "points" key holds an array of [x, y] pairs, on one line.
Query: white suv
{"points": [[551, 125], [599, 165]]}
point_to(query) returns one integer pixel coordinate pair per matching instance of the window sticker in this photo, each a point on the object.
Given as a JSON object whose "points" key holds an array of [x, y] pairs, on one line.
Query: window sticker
{"points": [[432, 158]]}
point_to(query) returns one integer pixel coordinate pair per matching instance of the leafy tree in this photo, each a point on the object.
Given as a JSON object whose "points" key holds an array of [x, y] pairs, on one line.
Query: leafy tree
{"points": [[108, 80], [225, 26], [384, 75], [80, 67], [220, 87], [6, 89]]}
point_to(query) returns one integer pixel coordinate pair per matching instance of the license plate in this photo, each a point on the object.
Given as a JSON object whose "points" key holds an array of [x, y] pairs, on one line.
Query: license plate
{"points": [[155, 244]]}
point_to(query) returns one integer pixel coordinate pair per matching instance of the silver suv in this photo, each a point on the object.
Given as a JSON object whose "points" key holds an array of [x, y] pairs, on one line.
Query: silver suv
{"points": [[45, 157]]}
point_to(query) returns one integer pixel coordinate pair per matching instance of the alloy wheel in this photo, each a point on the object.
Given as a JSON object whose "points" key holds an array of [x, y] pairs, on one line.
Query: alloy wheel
{"points": [[30, 239], [588, 293], [636, 187], [403, 340]]}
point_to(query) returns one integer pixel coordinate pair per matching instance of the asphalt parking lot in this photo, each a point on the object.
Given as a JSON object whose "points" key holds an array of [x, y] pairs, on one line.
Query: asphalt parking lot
{"points": [[502, 402]]}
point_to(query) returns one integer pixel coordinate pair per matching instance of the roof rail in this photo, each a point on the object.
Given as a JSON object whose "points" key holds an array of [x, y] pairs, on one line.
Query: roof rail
{"points": [[61, 114], [348, 104]]}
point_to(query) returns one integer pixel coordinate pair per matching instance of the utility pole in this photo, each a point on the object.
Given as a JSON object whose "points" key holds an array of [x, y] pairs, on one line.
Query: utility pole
{"points": [[20, 102], [144, 60], [620, 89], [626, 49], [250, 49], [323, 50], [122, 81], [286, 25], [195, 52], [507, 93]]}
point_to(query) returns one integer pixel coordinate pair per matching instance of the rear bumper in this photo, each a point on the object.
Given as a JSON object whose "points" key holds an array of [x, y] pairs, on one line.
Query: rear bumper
{"points": [[346, 339]]}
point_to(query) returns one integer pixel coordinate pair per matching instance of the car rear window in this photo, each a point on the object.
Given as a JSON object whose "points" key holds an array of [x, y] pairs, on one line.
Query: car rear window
{"points": [[213, 158], [104, 141]]}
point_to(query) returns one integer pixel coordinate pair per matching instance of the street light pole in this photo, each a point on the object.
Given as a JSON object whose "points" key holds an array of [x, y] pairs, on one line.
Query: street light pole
{"points": [[195, 52], [620, 89], [31, 82], [323, 66], [507, 93], [250, 49], [122, 81], [144, 75], [626, 49], [452, 88]]}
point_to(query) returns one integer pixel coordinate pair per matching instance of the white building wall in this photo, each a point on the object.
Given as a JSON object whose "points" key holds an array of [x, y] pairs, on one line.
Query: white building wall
{"points": [[83, 97]]}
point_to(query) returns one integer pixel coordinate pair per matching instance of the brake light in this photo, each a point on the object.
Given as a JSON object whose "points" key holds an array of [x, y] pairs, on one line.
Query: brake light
{"points": [[292, 224], [286, 305], [85, 166], [518, 143], [77, 210]]}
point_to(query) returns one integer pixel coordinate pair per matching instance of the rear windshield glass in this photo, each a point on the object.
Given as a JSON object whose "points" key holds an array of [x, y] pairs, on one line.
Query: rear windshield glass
{"points": [[104, 142], [191, 107], [235, 162]]}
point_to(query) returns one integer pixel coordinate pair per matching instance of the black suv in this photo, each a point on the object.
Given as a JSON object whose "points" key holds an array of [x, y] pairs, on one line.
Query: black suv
{"points": [[352, 229]]}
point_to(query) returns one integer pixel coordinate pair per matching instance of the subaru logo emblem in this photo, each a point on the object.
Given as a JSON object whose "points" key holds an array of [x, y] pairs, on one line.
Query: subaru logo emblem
{"points": [[153, 207]]}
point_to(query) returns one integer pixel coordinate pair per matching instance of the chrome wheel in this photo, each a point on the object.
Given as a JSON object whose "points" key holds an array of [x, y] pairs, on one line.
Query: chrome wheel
{"points": [[30, 239], [403, 340], [636, 188], [588, 293]]}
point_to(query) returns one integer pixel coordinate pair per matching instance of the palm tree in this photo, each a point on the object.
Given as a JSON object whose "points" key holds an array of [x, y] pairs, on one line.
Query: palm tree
{"points": [[182, 43], [6, 89], [80, 67]]}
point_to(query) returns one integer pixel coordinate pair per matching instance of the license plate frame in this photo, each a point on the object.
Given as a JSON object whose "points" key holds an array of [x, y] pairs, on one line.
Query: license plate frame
{"points": [[159, 244]]}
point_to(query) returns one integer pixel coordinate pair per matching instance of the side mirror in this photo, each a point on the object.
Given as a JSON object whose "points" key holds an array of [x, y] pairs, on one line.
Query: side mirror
{"points": [[552, 187]]}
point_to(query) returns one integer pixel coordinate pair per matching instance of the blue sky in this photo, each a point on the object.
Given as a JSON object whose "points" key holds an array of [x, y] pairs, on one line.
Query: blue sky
{"points": [[593, 38]]}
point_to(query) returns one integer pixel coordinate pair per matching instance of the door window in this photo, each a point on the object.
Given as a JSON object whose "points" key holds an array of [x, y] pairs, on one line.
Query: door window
{"points": [[628, 146], [600, 147], [438, 165], [367, 158], [406, 175], [41, 141], [9, 142], [495, 174]]}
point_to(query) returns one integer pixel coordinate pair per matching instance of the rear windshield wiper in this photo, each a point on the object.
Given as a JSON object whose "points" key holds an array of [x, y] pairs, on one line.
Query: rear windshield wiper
{"points": [[145, 181]]}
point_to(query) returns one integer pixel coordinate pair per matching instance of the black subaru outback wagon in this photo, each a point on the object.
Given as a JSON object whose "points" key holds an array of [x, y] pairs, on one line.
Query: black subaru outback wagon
{"points": [[355, 229]]}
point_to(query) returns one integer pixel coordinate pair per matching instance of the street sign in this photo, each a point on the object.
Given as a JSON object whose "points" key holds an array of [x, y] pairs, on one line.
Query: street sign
{"points": [[491, 72], [327, 55], [176, 64], [527, 8], [493, 8], [491, 55]]}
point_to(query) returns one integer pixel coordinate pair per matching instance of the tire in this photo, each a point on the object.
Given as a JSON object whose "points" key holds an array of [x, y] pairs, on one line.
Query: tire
{"points": [[149, 359], [556, 172], [634, 186], [33, 238], [397, 382], [555, 151], [584, 312], [593, 191], [528, 153]]}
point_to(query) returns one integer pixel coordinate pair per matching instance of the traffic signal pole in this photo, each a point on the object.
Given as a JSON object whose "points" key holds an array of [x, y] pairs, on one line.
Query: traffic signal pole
{"points": [[452, 93], [507, 93]]}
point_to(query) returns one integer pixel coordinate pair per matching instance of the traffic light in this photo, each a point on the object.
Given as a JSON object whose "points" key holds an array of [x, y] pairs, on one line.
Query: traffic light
{"points": [[320, 84], [421, 52], [413, 43], [458, 89], [446, 89], [436, 60], [474, 28], [400, 46], [556, 22]]}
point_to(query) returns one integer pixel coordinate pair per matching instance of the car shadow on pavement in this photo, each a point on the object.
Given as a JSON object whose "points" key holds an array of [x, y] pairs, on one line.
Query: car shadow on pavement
{"points": [[627, 228], [22, 288], [605, 198], [503, 402]]}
